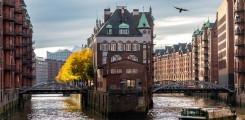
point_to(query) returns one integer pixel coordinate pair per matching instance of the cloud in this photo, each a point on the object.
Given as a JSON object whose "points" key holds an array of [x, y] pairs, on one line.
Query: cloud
{"points": [[64, 23]]}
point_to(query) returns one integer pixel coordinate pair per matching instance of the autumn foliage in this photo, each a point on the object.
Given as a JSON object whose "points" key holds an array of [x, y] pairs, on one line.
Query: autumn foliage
{"points": [[79, 66]]}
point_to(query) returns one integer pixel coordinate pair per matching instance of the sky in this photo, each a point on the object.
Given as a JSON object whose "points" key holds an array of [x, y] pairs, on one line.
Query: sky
{"points": [[62, 24]]}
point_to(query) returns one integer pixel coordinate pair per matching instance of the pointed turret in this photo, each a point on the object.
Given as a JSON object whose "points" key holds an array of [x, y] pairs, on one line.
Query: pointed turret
{"points": [[143, 23]]}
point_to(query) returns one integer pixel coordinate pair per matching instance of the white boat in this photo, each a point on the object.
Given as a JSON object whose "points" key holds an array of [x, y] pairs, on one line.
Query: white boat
{"points": [[213, 113]]}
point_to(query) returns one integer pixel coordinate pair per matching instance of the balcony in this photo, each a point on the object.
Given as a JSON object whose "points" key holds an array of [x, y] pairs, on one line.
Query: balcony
{"points": [[9, 47], [205, 39], [18, 10], [239, 54], [205, 59], [9, 67], [9, 3], [19, 21], [195, 50], [25, 35], [18, 71], [239, 20], [239, 32], [8, 17], [205, 45], [239, 9], [196, 62], [240, 70], [9, 32], [205, 52], [18, 55], [239, 43], [18, 45], [195, 45], [205, 66], [18, 32], [25, 62]]}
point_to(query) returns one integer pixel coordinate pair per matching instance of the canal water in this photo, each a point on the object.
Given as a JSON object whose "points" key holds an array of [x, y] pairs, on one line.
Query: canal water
{"points": [[56, 107]]}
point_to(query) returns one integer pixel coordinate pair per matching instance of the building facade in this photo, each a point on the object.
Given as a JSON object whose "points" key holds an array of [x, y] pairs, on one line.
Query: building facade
{"points": [[59, 55], [225, 25], [16, 53], [205, 61], [239, 63], [41, 70], [123, 60], [54, 67], [173, 63]]}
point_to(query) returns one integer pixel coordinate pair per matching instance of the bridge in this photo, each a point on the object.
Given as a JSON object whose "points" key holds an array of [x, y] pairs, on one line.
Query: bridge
{"points": [[52, 88], [189, 86]]}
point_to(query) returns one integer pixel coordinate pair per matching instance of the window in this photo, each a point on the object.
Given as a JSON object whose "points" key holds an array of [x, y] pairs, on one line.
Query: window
{"points": [[104, 60], [109, 31], [113, 71], [116, 58], [131, 83], [123, 31], [132, 57], [134, 71], [128, 46], [104, 46], [119, 70], [113, 46], [128, 71], [120, 46], [144, 54], [116, 71], [135, 46]]}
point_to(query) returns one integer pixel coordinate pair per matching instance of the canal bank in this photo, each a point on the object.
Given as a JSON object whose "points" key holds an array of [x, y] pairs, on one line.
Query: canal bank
{"points": [[9, 108]]}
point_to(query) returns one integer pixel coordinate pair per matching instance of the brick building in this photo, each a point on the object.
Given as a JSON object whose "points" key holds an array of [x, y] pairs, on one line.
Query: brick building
{"points": [[173, 63], [225, 27], [16, 52], [205, 52], [239, 50], [123, 58], [53, 68]]}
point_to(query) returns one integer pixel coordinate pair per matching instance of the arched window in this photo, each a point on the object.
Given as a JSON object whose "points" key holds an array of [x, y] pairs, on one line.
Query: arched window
{"points": [[113, 46], [135, 46], [120, 46], [132, 57], [104, 46], [116, 58], [128, 46]]}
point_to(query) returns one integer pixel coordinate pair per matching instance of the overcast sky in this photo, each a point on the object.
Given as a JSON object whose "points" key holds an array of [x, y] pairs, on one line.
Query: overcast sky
{"points": [[60, 24]]}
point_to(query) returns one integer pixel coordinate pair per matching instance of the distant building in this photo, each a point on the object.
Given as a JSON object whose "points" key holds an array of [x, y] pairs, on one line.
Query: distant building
{"points": [[76, 49], [54, 67], [173, 63], [41, 70], [59, 55], [205, 53]]}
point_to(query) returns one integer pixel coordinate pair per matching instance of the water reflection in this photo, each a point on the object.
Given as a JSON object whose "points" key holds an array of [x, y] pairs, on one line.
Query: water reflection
{"points": [[56, 107]]}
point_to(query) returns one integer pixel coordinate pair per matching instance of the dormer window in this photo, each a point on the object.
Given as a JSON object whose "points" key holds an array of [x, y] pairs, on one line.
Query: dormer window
{"points": [[109, 29], [123, 29]]}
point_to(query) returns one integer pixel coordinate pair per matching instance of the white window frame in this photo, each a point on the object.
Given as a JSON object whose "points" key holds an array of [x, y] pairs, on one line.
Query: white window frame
{"points": [[113, 46], [128, 46]]}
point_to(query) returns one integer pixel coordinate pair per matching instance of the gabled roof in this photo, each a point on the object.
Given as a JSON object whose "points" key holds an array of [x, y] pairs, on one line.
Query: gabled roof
{"points": [[118, 18], [143, 23]]}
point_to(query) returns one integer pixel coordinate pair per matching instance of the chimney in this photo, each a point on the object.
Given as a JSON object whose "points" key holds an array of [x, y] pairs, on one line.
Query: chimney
{"points": [[135, 12], [107, 14]]}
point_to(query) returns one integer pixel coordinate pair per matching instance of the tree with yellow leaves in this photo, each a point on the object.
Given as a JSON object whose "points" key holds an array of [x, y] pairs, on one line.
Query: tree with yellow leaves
{"points": [[79, 66]]}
